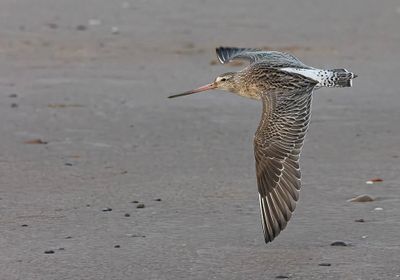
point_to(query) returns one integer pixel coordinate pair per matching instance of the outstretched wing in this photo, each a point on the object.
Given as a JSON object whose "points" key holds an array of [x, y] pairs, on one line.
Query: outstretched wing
{"points": [[277, 145], [273, 58]]}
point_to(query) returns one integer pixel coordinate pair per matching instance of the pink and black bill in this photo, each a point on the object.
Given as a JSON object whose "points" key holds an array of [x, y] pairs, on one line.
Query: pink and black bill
{"points": [[200, 89]]}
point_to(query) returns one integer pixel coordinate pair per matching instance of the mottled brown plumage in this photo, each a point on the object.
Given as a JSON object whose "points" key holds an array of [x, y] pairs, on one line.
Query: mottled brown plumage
{"points": [[285, 86]]}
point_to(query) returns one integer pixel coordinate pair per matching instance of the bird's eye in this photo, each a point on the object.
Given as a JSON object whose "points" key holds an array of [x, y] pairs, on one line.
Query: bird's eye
{"points": [[223, 80]]}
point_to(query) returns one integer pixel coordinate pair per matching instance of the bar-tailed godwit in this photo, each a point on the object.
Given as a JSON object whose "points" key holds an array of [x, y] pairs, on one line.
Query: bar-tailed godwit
{"points": [[285, 85]]}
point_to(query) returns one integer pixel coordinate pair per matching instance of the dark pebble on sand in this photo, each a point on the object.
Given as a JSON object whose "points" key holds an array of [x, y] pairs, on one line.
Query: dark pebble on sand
{"points": [[49, 252], [282, 277], [140, 205], [135, 235], [68, 164], [134, 201], [107, 209], [117, 246], [339, 243], [14, 105], [127, 215], [324, 264], [52, 25], [81, 27], [13, 95], [24, 225], [61, 249], [68, 237], [360, 220], [157, 199]]}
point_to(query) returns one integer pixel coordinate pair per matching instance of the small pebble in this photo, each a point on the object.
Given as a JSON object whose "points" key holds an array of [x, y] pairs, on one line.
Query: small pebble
{"points": [[94, 22], [14, 105], [189, 45], [134, 201], [157, 199], [24, 225], [376, 180], [117, 246], [107, 209], [68, 237], [52, 25], [87, 205], [324, 264], [115, 30], [135, 235], [81, 27], [339, 243], [49, 252], [61, 249], [140, 205], [378, 209], [127, 215], [364, 236], [13, 95], [360, 220], [68, 164], [362, 198], [282, 277]]}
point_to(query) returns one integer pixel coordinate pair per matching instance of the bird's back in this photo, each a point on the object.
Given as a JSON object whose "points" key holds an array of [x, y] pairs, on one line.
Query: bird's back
{"points": [[260, 78], [275, 65]]}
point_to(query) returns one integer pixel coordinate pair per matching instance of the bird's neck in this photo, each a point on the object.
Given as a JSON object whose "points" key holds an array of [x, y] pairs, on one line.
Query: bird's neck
{"points": [[242, 88]]}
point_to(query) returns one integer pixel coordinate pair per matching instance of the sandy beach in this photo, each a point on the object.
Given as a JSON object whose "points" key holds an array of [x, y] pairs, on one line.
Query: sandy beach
{"points": [[103, 177]]}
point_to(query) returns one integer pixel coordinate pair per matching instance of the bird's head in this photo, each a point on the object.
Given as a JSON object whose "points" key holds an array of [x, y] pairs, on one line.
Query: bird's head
{"points": [[224, 81]]}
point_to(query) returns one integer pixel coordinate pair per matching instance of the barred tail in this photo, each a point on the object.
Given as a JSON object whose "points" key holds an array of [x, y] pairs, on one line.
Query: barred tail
{"points": [[340, 78]]}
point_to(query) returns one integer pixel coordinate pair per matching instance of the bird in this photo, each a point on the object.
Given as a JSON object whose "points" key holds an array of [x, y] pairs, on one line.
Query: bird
{"points": [[285, 85]]}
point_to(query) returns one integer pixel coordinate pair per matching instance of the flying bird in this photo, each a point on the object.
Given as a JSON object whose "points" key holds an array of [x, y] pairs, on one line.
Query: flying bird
{"points": [[285, 86]]}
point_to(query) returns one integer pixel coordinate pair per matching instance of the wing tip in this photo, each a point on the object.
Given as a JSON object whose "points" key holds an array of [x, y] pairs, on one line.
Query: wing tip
{"points": [[273, 219], [223, 53]]}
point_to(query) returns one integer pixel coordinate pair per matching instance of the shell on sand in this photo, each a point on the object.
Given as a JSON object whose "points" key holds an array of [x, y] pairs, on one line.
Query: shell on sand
{"points": [[362, 198]]}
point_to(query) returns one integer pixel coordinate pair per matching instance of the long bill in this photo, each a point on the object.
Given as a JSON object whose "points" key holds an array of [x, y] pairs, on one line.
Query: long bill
{"points": [[200, 89]]}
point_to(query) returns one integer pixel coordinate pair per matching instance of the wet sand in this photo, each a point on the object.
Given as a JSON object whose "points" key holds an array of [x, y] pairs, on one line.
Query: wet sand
{"points": [[87, 134]]}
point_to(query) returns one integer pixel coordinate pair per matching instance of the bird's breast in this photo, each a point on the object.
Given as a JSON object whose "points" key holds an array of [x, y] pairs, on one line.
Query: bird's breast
{"points": [[250, 91]]}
